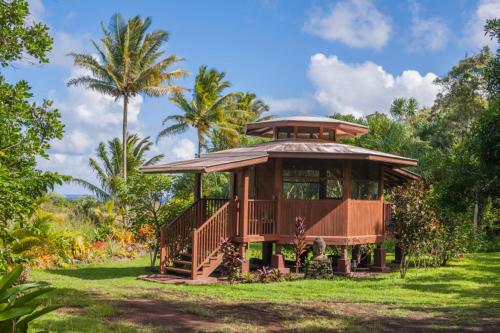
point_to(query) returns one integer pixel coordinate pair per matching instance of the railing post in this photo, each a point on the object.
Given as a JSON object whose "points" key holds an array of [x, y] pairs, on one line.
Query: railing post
{"points": [[163, 252], [194, 255]]}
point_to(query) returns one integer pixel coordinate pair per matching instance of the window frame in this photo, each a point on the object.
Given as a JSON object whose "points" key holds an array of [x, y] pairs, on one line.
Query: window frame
{"points": [[321, 179]]}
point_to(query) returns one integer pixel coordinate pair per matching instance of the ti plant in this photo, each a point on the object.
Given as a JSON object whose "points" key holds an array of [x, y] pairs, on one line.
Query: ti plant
{"points": [[299, 241], [16, 308]]}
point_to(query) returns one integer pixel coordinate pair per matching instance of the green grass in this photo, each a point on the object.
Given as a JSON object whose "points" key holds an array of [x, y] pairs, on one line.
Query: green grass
{"points": [[465, 294]]}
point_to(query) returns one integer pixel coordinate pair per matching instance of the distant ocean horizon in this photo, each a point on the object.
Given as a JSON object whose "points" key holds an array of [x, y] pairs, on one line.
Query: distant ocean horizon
{"points": [[76, 196]]}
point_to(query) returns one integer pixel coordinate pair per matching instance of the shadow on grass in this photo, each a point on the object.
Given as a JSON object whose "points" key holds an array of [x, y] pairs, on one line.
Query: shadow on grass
{"points": [[282, 317], [100, 273]]}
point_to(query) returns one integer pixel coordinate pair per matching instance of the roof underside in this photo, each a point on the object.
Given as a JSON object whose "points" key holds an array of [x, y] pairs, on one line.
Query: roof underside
{"points": [[245, 156], [343, 129]]}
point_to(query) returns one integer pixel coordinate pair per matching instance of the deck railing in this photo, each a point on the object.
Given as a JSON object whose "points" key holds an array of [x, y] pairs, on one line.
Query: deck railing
{"points": [[207, 238], [261, 217], [176, 236], [387, 215]]}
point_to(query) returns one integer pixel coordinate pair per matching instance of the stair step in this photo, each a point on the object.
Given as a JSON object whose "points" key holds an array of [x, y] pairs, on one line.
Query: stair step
{"points": [[182, 262], [178, 270]]}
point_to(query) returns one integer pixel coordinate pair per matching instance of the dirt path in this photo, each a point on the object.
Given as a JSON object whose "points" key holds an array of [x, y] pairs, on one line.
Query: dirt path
{"points": [[188, 316]]}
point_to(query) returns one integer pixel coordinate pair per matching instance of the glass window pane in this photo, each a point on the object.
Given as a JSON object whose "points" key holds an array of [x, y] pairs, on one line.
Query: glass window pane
{"points": [[365, 180], [301, 190], [308, 132], [328, 134], [286, 132], [334, 189]]}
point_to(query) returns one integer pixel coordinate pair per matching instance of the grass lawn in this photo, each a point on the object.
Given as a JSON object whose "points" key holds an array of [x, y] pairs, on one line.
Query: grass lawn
{"points": [[107, 298]]}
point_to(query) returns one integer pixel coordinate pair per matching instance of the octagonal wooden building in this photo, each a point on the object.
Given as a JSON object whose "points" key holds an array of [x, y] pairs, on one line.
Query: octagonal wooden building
{"points": [[302, 171]]}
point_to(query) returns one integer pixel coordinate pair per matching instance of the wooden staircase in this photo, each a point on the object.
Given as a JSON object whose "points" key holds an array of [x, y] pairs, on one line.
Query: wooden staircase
{"points": [[190, 243]]}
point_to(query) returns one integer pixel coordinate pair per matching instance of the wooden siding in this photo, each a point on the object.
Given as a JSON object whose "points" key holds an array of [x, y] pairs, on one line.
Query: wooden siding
{"points": [[365, 218], [322, 217]]}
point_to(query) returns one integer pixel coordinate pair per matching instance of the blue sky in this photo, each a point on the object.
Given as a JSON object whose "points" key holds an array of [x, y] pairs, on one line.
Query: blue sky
{"points": [[315, 57]]}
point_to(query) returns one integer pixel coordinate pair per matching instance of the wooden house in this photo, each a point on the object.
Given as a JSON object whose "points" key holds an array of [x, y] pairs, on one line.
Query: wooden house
{"points": [[301, 171]]}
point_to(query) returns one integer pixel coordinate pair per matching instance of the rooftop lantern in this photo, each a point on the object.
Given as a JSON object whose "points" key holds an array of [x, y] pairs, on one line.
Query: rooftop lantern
{"points": [[305, 128]]}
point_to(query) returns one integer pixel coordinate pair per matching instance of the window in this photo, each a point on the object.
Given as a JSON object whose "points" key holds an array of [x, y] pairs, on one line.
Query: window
{"points": [[328, 134], [286, 132], [308, 132], [365, 180], [312, 180]]}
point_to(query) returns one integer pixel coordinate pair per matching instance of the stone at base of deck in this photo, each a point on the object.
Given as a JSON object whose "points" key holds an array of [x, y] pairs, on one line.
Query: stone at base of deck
{"points": [[173, 279]]}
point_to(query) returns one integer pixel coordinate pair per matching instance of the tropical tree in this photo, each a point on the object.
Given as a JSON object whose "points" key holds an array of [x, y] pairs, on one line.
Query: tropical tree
{"points": [[129, 63], [108, 168], [26, 129], [246, 108], [205, 111]]}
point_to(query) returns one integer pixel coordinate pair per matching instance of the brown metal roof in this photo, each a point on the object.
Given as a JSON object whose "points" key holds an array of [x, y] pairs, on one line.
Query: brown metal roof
{"points": [[397, 176], [343, 128], [207, 164], [240, 157], [316, 149]]}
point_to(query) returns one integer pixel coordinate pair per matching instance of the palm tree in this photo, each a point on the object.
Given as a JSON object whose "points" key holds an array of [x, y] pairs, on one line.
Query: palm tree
{"points": [[205, 111], [246, 108], [129, 63], [109, 168]]}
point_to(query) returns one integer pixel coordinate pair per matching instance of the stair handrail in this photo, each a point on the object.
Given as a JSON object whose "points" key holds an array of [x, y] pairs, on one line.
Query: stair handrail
{"points": [[201, 252]]}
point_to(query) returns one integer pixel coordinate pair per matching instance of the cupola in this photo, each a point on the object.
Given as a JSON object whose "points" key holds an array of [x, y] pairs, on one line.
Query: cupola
{"points": [[305, 128]]}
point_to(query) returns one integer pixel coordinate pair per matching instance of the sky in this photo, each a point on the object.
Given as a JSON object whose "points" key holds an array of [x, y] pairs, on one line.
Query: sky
{"points": [[300, 57]]}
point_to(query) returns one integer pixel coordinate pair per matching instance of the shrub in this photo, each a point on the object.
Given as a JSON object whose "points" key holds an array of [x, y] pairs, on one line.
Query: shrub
{"points": [[16, 310], [232, 260], [299, 242]]}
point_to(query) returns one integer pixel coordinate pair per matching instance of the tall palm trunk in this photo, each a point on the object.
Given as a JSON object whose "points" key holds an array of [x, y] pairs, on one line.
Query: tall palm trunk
{"points": [[125, 136], [200, 143]]}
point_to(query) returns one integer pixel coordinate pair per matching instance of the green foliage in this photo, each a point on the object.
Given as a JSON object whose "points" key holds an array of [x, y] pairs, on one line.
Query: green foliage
{"points": [[148, 197], [20, 37], [16, 306], [108, 168], [413, 223], [319, 270], [492, 70], [205, 111], [26, 129]]}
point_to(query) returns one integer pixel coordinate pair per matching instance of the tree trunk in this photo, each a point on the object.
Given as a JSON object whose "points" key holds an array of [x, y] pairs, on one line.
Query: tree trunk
{"points": [[125, 136], [476, 213]]}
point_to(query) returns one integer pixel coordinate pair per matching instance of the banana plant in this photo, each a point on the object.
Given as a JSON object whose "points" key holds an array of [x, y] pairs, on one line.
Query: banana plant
{"points": [[16, 309]]}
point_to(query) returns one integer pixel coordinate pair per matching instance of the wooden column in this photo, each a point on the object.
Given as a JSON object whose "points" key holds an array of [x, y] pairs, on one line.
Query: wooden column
{"points": [[347, 174], [163, 253], [343, 263], [381, 198], [243, 209], [245, 265], [197, 186], [267, 253], [379, 261], [278, 192]]}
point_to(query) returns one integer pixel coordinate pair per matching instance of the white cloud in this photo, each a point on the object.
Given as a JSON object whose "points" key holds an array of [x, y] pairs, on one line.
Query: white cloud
{"points": [[289, 105], [356, 23], [428, 33], [37, 10], [65, 43], [365, 88], [183, 149], [474, 30]]}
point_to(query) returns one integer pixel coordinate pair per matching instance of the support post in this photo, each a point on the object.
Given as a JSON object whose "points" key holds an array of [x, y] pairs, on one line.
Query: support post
{"points": [[197, 186], [163, 253], [398, 254], [194, 255], [379, 262], [245, 265], [243, 216], [278, 196], [343, 263], [267, 253]]}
